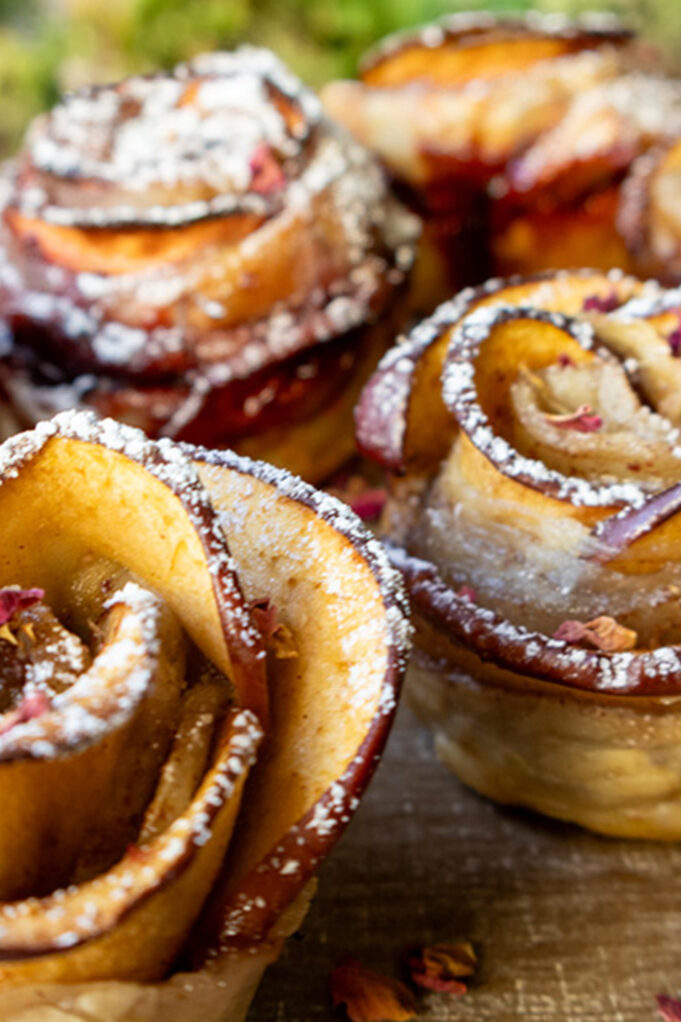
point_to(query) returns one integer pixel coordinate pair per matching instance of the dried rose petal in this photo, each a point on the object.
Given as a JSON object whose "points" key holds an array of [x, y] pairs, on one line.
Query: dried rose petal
{"points": [[12, 600], [596, 303], [354, 490], [467, 593], [565, 360], [369, 504], [603, 633], [264, 617], [442, 967], [674, 342], [278, 637], [31, 706], [669, 1008], [267, 174], [584, 420], [368, 996]]}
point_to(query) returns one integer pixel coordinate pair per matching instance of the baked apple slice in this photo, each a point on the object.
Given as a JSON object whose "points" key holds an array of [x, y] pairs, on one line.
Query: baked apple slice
{"points": [[468, 46], [541, 551], [433, 78], [401, 419], [648, 213], [518, 141], [526, 239], [462, 111], [204, 807]]}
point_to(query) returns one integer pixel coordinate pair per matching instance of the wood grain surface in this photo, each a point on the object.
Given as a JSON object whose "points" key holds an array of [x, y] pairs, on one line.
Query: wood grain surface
{"points": [[567, 926]]}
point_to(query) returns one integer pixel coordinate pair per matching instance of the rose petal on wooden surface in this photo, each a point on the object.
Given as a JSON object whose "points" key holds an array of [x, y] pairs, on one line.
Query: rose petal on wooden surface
{"points": [[443, 967], [669, 1008], [369, 996]]}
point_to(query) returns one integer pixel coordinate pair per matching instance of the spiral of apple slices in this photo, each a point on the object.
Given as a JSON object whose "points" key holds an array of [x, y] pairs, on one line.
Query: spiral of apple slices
{"points": [[539, 539], [148, 672], [512, 137], [203, 255]]}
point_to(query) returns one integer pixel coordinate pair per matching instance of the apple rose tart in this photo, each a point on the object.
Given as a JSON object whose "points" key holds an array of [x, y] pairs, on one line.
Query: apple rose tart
{"points": [[532, 432], [204, 255], [185, 727], [514, 140]]}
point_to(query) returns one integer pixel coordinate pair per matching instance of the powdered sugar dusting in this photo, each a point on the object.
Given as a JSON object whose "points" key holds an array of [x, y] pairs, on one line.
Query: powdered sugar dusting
{"points": [[536, 566], [239, 149], [198, 126], [167, 462], [461, 397], [105, 696], [95, 906], [386, 631], [345, 521], [532, 653]]}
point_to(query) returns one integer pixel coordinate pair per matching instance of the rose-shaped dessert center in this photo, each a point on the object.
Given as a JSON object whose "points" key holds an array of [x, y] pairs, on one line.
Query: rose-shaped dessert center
{"points": [[102, 699], [220, 129]]}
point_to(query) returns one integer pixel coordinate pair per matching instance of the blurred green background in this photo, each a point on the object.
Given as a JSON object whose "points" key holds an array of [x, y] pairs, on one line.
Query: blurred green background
{"points": [[48, 46]]}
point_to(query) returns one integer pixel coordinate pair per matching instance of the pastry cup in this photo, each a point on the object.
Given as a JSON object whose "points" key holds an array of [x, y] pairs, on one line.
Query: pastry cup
{"points": [[191, 885], [512, 139], [539, 543], [201, 254]]}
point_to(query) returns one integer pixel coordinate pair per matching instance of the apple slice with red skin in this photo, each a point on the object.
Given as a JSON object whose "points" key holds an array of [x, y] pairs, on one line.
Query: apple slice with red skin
{"points": [[334, 590], [81, 483], [401, 419], [452, 131], [463, 47], [130, 922], [210, 306], [109, 730], [481, 634], [76, 492], [643, 538]]}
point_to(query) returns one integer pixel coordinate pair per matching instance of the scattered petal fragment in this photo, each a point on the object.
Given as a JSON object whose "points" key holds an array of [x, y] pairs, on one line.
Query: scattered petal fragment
{"points": [[669, 1008], [603, 633], [601, 303], [278, 638], [583, 420], [267, 174], [443, 967], [368, 996]]}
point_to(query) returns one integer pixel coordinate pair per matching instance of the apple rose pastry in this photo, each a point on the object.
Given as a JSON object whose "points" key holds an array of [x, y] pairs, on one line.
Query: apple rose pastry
{"points": [[185, 728], [201, 254], [512, 138], [532, 431]]}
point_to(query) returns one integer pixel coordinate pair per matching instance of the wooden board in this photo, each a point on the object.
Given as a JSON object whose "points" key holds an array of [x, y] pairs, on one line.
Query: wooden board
{"points": [[568, 926]]}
